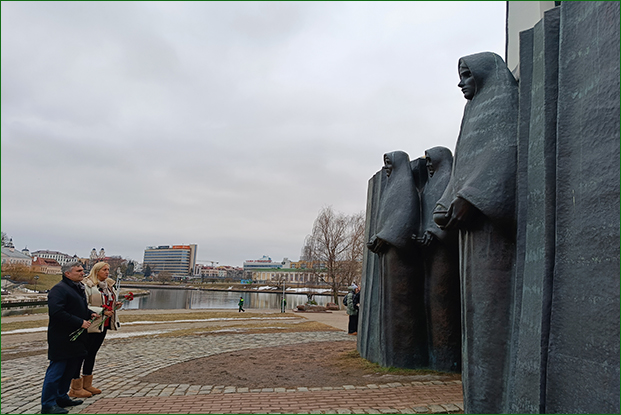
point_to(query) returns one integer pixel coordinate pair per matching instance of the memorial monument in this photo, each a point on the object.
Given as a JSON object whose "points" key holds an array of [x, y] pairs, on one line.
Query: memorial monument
{"points": [[480, 201], [441, 264], [403, 324], [534, 195]]}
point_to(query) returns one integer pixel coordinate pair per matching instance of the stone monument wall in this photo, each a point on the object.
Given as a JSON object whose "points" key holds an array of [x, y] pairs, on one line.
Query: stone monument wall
{"points": [[565, 342], [369, 344]]}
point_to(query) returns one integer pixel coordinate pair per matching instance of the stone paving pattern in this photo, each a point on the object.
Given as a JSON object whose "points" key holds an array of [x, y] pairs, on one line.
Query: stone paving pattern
{"points": [[127, 360]]}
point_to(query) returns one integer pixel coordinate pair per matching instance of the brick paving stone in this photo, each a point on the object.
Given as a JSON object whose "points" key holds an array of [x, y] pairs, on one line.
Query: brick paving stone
{"points": [[421, 409], [436, 409], [124, 392], [450, 407]]}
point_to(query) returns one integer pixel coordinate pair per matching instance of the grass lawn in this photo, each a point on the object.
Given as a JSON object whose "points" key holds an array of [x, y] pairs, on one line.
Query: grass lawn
{"points": [[45, 282]]}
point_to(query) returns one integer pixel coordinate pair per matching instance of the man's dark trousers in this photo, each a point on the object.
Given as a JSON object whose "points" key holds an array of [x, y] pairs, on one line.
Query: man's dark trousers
{"points": [[58, 380]]}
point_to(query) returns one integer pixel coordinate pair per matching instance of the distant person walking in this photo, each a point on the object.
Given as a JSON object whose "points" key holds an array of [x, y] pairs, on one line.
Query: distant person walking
{"points": [[352, 302], [241, 305], [68, 312]]}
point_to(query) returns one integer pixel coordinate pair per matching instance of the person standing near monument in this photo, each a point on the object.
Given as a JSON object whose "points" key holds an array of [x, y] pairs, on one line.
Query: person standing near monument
{"points": [[100, 292], [480, 201], [68, 312], [352, 302]]}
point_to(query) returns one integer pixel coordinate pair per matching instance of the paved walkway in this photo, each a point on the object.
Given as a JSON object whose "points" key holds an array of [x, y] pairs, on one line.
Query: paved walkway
{"points": [[128, 360]]}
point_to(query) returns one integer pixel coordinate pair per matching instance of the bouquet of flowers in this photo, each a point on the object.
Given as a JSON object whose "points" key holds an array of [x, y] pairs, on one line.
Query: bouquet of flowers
{"points": [[127, 297]]}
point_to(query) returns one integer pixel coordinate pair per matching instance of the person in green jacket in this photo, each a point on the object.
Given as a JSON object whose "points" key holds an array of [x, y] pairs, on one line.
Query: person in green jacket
{"points": [[241, 305]]}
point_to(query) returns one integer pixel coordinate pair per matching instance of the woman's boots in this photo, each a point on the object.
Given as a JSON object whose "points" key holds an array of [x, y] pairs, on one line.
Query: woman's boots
{"points": [[87, 384], [77, 390]]}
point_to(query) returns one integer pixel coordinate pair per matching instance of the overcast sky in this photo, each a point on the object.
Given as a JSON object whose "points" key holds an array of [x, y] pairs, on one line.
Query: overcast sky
{"points": [[225, 124]]}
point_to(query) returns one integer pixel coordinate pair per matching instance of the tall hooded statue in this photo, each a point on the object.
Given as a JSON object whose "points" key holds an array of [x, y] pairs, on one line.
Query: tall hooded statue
{"points": [[480, 202], [402, 332], [441, 264]]}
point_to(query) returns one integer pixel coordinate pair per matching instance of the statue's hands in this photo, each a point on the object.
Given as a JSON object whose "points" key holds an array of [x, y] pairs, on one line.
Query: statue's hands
{"points": [[375, 244], [425, 240], [460, 212]]}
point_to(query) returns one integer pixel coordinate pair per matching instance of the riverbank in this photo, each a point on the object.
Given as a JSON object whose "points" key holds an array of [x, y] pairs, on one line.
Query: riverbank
{"points": [[31, 299], [235, 287]]}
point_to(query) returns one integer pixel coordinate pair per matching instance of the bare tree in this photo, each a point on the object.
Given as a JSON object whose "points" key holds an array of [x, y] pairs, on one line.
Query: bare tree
{"points": [[334, 248], [18, 272], [164, 276]]}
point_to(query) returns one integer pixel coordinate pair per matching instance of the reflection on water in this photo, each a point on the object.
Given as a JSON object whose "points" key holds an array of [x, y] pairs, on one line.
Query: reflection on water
{"points": [[162, 298]]}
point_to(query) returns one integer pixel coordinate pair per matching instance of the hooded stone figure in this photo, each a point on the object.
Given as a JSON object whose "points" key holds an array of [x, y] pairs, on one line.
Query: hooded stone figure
{"points": [[402, 331], [441, 263], [480, 201]]}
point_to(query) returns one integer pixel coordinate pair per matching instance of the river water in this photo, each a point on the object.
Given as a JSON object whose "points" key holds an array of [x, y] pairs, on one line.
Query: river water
{"points": [[162, 298]]}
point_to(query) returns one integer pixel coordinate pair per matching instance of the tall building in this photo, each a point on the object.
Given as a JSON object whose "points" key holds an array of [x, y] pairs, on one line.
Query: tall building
{"points": [[179, 260]]}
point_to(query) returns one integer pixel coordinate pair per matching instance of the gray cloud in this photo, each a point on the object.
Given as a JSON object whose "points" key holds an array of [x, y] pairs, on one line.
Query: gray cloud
{"points": [[227, 124]]}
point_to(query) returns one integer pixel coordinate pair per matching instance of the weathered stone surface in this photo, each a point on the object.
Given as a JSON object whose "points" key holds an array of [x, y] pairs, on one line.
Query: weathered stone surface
{"points": [[536, 187], [584, 322], [369, 342], [565, 336]]}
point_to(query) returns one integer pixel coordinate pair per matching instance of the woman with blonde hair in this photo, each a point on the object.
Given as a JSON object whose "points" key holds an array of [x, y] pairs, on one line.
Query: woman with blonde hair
{"points": [[101, 295]]}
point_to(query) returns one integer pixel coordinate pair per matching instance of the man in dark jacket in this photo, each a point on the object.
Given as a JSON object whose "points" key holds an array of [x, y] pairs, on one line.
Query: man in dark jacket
{"points": [[68, 312]]}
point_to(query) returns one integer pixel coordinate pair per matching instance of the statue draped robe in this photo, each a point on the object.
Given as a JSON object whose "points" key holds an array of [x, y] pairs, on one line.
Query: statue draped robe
{"points": [[402, 332], [483, 174]]}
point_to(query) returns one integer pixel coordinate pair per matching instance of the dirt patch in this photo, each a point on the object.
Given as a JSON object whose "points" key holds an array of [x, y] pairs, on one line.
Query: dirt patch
{"points": [[310, 364]]}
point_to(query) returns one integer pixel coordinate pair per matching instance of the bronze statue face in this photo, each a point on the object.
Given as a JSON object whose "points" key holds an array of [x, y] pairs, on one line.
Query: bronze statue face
{"points": [[466, 81], [429, 165], [387, 165]]}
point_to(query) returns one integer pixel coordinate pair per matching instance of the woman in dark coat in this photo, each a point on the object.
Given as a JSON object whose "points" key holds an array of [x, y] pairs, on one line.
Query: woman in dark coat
{"points": [[480, 202], [403, 332]]}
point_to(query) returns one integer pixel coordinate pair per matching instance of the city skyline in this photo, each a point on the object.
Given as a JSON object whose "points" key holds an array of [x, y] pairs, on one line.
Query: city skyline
{"points": [[203, 262], [229, 125]]}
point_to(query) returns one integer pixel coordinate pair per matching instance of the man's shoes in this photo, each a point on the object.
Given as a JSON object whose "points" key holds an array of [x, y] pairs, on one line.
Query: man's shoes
{"points": [[54, 409], [65, 402], [353, 334]]}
